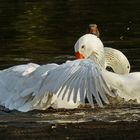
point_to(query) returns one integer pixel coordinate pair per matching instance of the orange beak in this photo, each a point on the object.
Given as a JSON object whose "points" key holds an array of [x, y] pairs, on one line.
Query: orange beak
{"points": [[79, 56]]}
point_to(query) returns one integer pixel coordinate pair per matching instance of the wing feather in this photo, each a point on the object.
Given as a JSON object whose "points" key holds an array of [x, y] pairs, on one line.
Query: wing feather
{"points": [[72, 82], [76, 81], [83, 91], [88, 90], [95, 87]]}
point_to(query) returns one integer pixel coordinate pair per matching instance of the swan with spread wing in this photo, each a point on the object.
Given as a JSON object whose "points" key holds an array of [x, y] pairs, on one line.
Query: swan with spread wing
{"points": [[29, 87]]}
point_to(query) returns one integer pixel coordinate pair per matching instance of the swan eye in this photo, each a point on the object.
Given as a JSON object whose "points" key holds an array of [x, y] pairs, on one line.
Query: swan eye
{"points": [[83, 47]]}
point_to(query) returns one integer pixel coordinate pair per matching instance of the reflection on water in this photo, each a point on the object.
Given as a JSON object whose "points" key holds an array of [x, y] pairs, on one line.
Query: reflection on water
{"points": [[112, 113], [45, 31], [88, 115]]}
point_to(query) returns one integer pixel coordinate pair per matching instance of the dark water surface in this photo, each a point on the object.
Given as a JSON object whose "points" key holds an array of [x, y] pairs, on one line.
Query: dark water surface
{"points": [[45, 31]]}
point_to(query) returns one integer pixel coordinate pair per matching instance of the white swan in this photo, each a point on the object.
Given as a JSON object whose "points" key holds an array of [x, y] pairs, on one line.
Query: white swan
{"points": [[28, 87], [126, 85]]}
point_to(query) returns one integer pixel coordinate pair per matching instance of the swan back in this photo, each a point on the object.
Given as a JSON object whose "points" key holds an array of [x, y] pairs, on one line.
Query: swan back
{"points": [[117, 61]]}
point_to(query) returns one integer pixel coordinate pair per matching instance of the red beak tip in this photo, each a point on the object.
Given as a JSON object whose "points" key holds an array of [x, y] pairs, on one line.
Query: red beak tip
{"points": [[79, 55]]}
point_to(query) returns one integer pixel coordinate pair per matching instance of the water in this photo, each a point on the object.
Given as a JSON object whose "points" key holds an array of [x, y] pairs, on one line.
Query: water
{"points": [[45, 32]]}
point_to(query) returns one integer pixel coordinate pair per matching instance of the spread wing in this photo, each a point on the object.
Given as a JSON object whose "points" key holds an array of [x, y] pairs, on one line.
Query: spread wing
{"points": [[75, 81], [18, 83], [71, 82]]}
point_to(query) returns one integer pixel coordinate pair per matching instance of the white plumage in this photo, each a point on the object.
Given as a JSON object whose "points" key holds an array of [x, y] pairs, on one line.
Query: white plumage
{"points": [[28, 87], [117, 61]]}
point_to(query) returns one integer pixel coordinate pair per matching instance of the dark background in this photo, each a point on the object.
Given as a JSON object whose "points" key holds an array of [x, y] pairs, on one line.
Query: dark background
{"points": [[45, 31]]}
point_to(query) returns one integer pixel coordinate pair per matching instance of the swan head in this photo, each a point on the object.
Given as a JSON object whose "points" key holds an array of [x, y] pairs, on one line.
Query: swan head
{"points": [[89, 46]]}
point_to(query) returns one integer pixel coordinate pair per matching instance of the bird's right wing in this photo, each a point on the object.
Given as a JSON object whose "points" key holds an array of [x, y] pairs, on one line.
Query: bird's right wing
{"points": [[18, 83], [75, 81]]}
